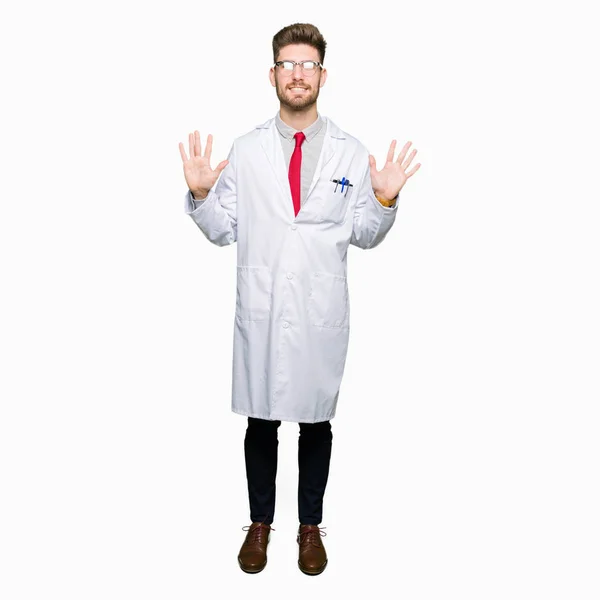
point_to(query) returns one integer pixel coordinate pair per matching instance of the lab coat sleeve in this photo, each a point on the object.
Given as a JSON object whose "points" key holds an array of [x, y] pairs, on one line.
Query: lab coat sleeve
{"points": [[372, 220], [216, 215]]}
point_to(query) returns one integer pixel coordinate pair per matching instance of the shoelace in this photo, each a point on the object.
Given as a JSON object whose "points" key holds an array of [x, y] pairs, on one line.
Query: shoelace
{"points": [[258, 531], [312, 535]]}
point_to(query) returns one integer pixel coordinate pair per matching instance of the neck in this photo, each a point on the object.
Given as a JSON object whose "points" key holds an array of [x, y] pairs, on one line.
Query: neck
{"points": [[298, 119]]}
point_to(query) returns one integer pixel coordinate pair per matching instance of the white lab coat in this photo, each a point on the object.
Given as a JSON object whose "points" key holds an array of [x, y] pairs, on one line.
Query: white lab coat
{"points": [[292, 314]]}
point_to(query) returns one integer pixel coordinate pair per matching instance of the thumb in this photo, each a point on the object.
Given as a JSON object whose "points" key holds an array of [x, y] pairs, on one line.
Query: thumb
{"points": [[221, 166], [372, 163]]}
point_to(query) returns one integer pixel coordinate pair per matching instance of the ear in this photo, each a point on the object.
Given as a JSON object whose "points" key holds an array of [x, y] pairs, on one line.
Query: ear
{"points": [[272, 76], [323, 77]]}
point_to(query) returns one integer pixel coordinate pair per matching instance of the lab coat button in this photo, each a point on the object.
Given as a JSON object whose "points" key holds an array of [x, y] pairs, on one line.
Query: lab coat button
{"points": [[286, 324], [294, 226], [289, 275]]}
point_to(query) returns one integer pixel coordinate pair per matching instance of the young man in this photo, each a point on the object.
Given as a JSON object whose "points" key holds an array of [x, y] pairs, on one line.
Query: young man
{"points": [[294, 193]]}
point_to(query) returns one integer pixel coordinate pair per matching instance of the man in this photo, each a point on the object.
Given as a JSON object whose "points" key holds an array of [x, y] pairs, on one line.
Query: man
{"points": [[295, 192]]}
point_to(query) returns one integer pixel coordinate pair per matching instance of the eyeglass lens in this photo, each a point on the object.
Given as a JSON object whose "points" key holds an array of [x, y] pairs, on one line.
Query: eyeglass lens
{"points": [[308, 67]]}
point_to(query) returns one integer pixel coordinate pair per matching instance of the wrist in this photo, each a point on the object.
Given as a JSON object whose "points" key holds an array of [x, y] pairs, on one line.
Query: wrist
{"points": [[385, 201], [199, 194]]}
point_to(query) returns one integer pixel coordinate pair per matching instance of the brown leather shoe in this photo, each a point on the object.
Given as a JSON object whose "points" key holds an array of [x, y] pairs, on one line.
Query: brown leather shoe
{"points": [[253, 553], [312, 558]]}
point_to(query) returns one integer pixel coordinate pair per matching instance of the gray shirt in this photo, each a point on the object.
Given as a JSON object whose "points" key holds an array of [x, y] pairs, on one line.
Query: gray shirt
{"points": [[311, 150]]}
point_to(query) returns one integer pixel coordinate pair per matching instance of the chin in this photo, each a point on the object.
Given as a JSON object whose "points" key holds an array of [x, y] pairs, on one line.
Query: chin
{"points": [[299, 104]]}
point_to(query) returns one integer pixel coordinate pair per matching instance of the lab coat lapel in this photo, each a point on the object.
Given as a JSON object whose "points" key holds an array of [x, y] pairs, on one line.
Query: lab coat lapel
{"points": [[330, 146], [271, 144]]}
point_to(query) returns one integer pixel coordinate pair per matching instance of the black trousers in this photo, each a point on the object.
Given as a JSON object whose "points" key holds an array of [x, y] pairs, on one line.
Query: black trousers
{"points": [[314, 454]]}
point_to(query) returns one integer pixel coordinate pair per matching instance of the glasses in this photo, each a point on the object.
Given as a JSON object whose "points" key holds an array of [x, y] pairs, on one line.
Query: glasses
{"points": [[308, 67]]}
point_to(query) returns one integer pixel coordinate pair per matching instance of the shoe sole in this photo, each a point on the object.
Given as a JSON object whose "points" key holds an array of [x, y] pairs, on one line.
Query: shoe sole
{"points": [[306, 572], [251, 571]]}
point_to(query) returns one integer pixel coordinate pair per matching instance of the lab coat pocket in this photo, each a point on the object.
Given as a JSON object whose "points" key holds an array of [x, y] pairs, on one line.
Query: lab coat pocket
{"points": [[253, 293], [335, 203], [328, 303]]}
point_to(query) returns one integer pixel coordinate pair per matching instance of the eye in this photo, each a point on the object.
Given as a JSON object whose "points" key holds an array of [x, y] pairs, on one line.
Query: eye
{"points": [[309, 64], [286, 64]]}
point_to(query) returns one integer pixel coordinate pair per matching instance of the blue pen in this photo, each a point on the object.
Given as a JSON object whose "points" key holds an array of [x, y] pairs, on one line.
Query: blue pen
{"points": [[343, 182]]}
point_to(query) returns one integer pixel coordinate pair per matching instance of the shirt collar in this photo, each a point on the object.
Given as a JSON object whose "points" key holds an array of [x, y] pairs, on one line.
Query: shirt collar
{"points": [[288, 132]]}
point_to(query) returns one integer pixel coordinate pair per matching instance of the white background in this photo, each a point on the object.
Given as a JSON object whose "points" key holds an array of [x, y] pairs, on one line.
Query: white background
{"points": [[466, 450]]}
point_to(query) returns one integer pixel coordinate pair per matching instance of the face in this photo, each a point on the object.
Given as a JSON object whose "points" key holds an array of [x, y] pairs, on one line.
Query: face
{"points": [[298, 99]]}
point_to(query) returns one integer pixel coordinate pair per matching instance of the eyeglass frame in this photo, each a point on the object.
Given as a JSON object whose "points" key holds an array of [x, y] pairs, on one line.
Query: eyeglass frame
{"points": [[301, 63]]}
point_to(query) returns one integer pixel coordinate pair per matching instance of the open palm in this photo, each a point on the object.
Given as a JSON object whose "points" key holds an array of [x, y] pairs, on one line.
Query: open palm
{"points": [[198, 173], [388, 182]]}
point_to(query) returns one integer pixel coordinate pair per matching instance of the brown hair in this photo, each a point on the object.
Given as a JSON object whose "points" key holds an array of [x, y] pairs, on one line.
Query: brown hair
{"points": [[299, 33]]}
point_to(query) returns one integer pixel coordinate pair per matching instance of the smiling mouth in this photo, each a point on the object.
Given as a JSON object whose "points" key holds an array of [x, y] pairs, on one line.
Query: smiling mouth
{"points": [[298, 89]]}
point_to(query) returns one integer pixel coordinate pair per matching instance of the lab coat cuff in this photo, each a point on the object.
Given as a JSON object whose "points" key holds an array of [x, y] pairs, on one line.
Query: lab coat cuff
{"points": [[385, 210], [191, 205]]}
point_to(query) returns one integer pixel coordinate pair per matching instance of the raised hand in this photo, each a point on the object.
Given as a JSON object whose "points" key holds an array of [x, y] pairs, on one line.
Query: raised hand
{"points": [[388, 182], [198, 174]]}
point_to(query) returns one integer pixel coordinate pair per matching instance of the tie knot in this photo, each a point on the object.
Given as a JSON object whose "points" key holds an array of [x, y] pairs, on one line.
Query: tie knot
{"points": [[300, 137]]}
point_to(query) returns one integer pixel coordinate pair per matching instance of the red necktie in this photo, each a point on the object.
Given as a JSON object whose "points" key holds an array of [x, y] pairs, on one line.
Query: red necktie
{"points": [[294, 172]]}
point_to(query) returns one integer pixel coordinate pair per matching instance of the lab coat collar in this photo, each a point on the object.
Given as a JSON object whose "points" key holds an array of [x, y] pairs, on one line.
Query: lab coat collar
{"points": [[271, 144]]}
